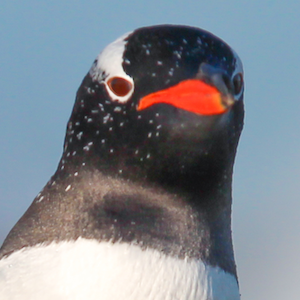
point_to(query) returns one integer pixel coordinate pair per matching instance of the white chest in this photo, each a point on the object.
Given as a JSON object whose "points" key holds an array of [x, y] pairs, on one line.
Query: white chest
{"points": [[88, 270]]}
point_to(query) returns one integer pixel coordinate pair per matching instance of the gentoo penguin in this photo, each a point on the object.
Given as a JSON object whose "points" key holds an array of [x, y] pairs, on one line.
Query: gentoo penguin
{"points": [[140, 205]]}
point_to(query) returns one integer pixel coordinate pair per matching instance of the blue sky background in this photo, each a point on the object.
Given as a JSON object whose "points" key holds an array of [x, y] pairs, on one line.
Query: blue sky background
{"points": [[47, 47]]}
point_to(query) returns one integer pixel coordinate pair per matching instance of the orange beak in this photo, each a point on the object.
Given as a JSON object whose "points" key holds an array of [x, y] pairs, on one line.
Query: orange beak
{"points": [[192, 95]]}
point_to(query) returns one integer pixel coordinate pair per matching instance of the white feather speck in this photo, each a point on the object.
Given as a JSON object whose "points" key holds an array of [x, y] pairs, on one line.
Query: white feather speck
{"points": [[68, 188]]}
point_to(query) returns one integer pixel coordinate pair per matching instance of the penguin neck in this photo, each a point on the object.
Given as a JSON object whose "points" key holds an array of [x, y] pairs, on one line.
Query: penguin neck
{"points": [[206, 193], [203, 179]]}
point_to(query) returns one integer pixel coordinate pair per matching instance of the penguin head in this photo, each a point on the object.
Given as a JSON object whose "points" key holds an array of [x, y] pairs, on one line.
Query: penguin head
{"points": [[167, 97]]}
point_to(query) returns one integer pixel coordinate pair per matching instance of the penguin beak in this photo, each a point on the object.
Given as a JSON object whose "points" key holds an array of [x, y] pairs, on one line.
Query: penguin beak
{"points": [[207, 94]]}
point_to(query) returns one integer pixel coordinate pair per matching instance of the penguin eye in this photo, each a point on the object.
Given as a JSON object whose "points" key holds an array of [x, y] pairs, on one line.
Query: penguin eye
{"points": [[119, 86], [237, 83]]}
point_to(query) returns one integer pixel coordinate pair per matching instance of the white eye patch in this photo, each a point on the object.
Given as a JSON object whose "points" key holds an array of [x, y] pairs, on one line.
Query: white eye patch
{"points": [[108, 69]]}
